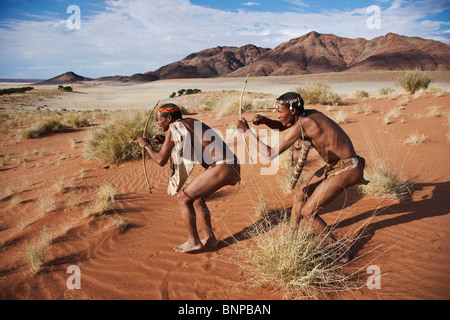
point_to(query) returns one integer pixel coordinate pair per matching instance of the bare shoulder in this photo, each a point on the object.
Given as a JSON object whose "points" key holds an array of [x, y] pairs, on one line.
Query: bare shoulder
{"points": [[312, 122]]}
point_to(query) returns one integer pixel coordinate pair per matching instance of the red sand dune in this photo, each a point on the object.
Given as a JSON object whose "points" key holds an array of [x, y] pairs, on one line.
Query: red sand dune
{"points": [[408, 240]]}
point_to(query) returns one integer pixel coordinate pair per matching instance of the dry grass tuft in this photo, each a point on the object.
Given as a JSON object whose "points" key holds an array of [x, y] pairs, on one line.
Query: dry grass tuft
{"points": [[35, 256], [299, 264], [104, 202], [46, 204], [231, 105], [43, 127], [386, 183], [416, 138], [117, 140]]}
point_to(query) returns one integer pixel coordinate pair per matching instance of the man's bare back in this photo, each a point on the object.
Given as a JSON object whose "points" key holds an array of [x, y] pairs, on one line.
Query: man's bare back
{"points": [[326, 136]]}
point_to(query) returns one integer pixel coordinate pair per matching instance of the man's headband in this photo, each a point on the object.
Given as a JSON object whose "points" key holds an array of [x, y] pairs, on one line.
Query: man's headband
{"points": [[286, 102], [164, 109]]}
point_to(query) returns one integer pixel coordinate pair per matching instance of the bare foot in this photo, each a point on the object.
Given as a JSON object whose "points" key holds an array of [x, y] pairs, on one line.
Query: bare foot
{"points": [[188, 247], [346, 258], [210, 242]]}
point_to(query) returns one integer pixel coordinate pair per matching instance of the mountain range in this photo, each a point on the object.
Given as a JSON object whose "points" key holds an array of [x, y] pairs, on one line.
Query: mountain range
{"points": [[308, 54]]}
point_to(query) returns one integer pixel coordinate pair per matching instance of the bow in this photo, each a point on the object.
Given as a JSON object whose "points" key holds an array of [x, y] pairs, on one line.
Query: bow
{"points": [[143, 149], [240, 117], [242, 98]]}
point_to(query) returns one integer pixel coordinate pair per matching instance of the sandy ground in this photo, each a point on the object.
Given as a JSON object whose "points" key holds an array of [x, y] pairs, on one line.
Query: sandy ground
{"points": [[408, 240]]}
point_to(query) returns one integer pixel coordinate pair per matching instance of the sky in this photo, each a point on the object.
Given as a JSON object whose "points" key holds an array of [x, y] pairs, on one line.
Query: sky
{"points": [[45, 38]]}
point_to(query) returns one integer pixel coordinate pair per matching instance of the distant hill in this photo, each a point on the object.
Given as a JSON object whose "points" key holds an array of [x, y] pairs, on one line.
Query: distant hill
{"points": [[210, 63], [319, 53], [65, 78], [308, 54]]}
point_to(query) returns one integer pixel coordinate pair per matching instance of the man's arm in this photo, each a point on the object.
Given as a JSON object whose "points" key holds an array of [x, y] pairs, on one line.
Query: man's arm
{"points": [[163, 156], [272, 124], [271, 153]]}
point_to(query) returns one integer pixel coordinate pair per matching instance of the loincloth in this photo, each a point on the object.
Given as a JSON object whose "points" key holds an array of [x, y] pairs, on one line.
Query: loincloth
{"points": [[337, 167], [333, 169]]}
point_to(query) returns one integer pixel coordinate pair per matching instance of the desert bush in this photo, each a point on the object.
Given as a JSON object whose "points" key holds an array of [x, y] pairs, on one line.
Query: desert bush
{"points": [[46, 126], [413, 81], [386, 91], [185, 91], [15, 90], [65, 88], [117, 140], [360, 94], [318, 93], [77, 120]]}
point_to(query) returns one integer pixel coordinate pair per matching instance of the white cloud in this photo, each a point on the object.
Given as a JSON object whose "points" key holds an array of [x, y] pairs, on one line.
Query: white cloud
{"points": [[299, 3], [142, 35], [251, 4]]}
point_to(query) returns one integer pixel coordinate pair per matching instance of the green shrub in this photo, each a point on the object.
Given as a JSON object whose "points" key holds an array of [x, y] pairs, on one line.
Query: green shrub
{"points": [[185, 91], [66, 88], [117, 140], [15, 90], [318, 93], [413, 81]]}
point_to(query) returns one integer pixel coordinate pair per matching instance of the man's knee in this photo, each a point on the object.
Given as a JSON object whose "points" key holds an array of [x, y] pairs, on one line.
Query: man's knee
{"points": [[300, 194], [199, 203], [183, 198]]}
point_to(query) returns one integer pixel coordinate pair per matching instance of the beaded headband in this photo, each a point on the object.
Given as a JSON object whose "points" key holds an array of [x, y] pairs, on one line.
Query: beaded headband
{"points": [[168, 109], [285, 102]]}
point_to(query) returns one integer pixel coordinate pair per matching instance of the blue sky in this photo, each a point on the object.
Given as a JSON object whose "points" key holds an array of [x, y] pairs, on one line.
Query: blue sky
{"points": [[123, 37]]}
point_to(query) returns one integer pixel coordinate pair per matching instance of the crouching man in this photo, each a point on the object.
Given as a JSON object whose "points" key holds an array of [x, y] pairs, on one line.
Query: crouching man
{"points": [[189, 141]]}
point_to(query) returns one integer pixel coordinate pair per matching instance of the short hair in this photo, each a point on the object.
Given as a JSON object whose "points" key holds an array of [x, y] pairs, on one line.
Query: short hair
{"points": [[292, 100], [170, 109]]}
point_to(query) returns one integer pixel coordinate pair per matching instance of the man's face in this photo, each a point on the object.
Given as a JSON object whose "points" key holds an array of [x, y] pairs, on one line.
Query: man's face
{"points": [[285, 115], [162, 122]]}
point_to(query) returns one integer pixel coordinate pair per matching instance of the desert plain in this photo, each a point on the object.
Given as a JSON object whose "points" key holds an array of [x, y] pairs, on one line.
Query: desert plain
{"points": [[407, 238]]}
